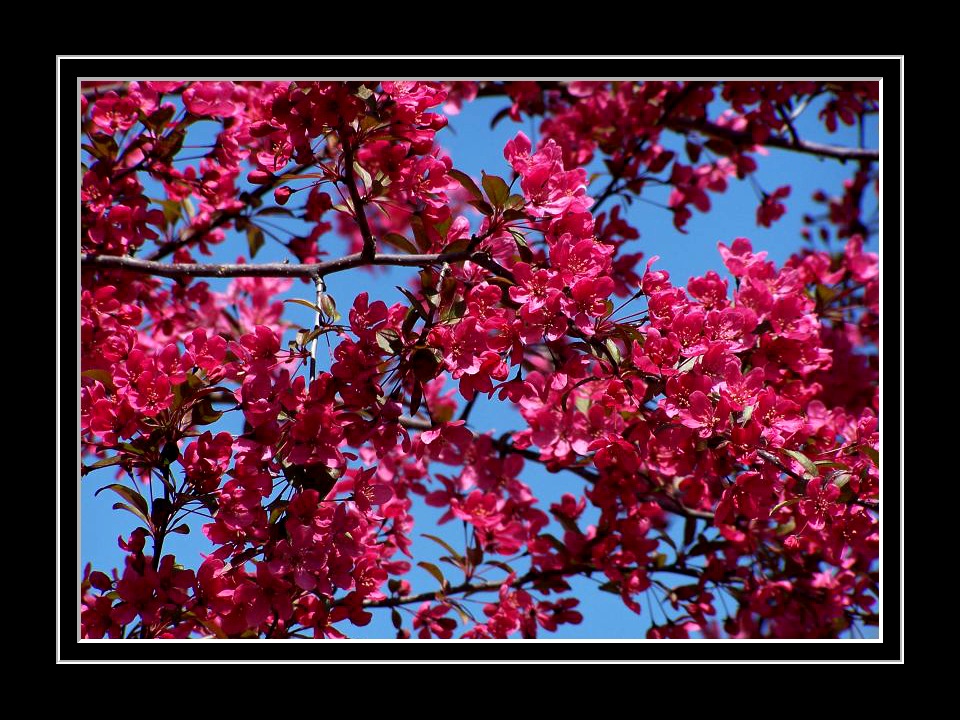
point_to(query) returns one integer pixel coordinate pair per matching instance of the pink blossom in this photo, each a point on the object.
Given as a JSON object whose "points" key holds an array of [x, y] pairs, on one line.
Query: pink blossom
{"points": [[210, 98]]}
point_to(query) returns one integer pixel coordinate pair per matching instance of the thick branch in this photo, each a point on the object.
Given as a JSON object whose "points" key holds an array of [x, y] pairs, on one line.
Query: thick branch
{"points": [[532, 576], [786, 143], [311, 270], [369, 244], [468, 588]]}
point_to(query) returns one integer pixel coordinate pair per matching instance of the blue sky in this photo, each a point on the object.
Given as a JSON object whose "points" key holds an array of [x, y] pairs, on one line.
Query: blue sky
{"points": [[473, 146]]}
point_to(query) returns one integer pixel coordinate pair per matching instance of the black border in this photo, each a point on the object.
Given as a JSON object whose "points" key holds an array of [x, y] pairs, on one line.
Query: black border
{"points": [[889, 69]]}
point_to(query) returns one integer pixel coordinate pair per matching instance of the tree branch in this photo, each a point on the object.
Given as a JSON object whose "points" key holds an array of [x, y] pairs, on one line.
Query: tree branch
{"points": [[369, 244], [468, 588], [785, 143], [287, 270], [92, 92]]}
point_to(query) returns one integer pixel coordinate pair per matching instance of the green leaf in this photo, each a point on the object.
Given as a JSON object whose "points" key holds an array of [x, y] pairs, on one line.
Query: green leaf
{"points": [[415, 304], [204, 413], [170, 453], [128, 494], [553, 540], [502, 565], [519, 238], [106, 462], [275, 210], [457, 246], [614, 350], [442, 544], [443, 226], [807, 463], [416, 397], [669, 541], [255, 240], [468, 184], [501, 114], [180, 530], [514, 202], [425, 362], [131, 448], [871, 453], [170, 144], [134, 512], [305, 303], [497, 190], [304, 338], [102, 376], [482, 206], [501, 282], [303, 176], [826, 293], [610, 586], [389, 340], [785, 503], [400, 243], [311, 477], [840, 479], [693, 151], [830, 464], [329, 306], [171, 210], [420, 233], [450, 561], [466, 616], [523, 248], [363, 174], [104, 146], [435, 571], [158, 119], [209, 626]]}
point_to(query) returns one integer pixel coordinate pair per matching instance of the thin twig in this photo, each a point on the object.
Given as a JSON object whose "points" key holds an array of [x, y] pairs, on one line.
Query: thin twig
{"points": [[189, 235], [667, 503], [321, 288]]}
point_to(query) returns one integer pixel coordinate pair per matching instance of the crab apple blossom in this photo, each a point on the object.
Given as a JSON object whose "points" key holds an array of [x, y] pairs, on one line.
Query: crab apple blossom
{"points": [[704, 450]]}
